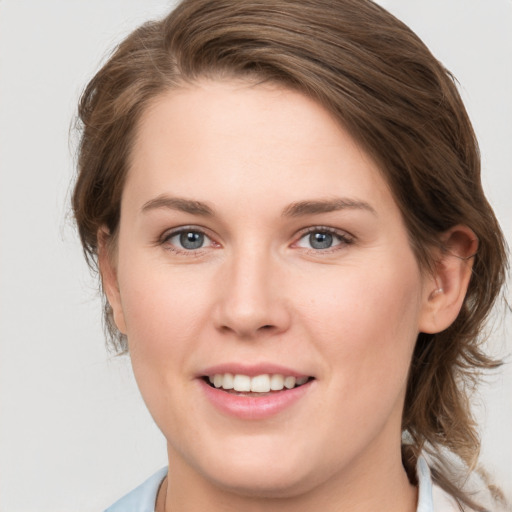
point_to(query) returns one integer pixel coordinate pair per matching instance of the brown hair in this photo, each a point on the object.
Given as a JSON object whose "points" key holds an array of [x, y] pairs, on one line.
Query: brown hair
{"points": [[382, 83]]}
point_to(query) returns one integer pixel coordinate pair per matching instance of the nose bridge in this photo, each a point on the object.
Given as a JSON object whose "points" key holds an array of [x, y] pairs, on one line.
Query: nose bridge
{"points": [[252, 300]]}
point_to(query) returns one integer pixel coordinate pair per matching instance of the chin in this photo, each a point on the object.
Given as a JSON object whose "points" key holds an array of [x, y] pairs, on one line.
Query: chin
{"points": [[263, 483], [269, 474]]}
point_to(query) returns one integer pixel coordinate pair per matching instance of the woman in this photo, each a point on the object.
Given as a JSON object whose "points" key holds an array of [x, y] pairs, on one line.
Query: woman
{"points": [[284, 203]]}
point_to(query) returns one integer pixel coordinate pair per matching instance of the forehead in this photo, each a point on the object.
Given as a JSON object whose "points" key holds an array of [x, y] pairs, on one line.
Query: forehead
{"points": [[247, 138]]}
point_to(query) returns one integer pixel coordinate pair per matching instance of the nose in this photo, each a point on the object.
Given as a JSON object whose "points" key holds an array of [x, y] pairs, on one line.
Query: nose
{"points": [[252, 298]]}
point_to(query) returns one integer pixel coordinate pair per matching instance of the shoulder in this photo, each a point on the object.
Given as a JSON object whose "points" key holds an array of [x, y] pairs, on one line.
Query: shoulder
{"points": [[142, 498], [442, 501], [433, 498]]}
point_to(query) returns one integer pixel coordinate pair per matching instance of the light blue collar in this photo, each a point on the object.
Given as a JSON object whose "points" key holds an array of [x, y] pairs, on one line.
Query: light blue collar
{"points": [[143, 497], [425, 499]]}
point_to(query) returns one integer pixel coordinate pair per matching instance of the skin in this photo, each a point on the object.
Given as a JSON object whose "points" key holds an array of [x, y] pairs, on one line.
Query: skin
{"points": [[257, 291]]}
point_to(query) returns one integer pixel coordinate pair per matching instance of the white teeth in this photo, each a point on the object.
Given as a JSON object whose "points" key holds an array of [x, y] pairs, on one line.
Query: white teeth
{"points": [[259, 384], [289, 382], [276, 382], [217, 380], [227, 382], [242, 383]]}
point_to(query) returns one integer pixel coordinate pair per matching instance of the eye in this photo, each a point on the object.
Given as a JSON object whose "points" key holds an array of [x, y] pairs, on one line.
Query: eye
{"points": [[187, 239], [190, 239], [321, 239]]}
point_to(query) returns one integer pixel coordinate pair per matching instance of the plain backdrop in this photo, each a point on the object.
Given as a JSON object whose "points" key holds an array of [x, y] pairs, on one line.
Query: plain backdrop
{"points": [[74, 433]]}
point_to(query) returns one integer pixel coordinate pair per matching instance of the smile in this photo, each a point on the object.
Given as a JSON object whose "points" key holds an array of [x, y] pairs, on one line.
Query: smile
{"points": [[264, 383], [257, 396]]}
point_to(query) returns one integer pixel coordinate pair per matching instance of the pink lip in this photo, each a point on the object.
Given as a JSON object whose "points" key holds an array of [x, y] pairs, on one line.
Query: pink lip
{"points": [[254, 408], [251, 370]]}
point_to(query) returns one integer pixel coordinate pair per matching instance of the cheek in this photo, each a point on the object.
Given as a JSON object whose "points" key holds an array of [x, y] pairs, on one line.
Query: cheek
{"points": [[366, 323], [164, 314], [157, 301]]}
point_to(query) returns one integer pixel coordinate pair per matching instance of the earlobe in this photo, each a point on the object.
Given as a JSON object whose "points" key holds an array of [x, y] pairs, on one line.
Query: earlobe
{"points": [[446, 289], [108, 273]]}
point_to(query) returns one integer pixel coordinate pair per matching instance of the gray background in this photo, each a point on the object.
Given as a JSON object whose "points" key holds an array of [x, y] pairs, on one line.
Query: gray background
{"points": [[74, 434]]}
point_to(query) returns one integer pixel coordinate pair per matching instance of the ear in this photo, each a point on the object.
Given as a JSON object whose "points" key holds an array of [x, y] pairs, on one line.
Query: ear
{"points": [[108, 272], [445, 290]]}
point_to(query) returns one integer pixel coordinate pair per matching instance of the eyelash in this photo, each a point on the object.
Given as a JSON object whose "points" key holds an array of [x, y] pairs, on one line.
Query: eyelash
{"points": [[343, 238], [167, 236]]}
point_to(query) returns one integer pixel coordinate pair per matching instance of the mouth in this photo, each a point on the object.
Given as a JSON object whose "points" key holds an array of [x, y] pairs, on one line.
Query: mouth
{"points": [[258, 385]]}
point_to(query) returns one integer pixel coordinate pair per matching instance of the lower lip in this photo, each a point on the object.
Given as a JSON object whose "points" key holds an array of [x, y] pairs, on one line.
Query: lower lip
{"points": [[254, 408]]}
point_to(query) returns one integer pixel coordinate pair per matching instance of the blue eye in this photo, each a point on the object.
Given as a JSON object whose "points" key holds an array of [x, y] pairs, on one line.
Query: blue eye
{"points": [[191, 240], [187, 239], [322, 239]]}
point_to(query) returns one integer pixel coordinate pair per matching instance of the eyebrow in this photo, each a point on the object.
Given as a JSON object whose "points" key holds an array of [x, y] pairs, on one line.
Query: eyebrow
{"points": [[296, 209], [324, 206], [178, 203]]}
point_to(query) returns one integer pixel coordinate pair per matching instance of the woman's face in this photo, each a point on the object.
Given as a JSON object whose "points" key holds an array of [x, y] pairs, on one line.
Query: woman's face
{"points": [[258, 240]]}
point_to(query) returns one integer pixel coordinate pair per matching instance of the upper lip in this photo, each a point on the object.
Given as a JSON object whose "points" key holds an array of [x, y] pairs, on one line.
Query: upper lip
{"points": [[252, 370]]}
